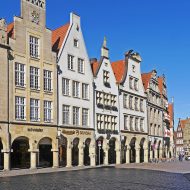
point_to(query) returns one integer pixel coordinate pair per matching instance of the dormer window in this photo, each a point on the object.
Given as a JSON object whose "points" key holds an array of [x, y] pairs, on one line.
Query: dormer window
{"points": [[133, 68], [106, 78], [76, 43]]}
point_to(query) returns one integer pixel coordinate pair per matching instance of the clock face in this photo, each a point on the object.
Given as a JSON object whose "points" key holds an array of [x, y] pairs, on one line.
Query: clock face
{"points": [[35, 17]]}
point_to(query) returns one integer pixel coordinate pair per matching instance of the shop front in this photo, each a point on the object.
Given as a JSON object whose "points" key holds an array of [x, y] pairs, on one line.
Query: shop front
{"points": [[76, 147]]}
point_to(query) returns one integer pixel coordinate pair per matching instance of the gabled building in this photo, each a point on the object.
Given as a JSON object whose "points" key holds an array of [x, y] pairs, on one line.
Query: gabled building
{"points": [[180, 145], [171, 115], [106, 110], [155, 114], [29, 71], [4, 100], [132, 108], [75, 96], [166, 117]]}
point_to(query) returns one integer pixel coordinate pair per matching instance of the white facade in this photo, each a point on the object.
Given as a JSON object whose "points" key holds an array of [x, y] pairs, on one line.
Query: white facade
{"points": [[72, 77], [106, 99], [134, 106]]}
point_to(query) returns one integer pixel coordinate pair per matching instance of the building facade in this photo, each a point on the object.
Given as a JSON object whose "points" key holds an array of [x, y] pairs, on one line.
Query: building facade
{"points": [[132, 108], [75, 96], [155, 114], [181, 135], [32, 115], [106, 110], [58, 108], [4, 94]]}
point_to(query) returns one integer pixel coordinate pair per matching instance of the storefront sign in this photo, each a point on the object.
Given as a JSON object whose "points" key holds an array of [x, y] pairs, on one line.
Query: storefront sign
{"points": [[35, 130], [76, 132]]}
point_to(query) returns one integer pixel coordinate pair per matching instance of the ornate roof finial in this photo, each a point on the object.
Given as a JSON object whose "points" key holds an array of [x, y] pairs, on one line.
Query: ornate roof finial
{"points": [[105, 42]]}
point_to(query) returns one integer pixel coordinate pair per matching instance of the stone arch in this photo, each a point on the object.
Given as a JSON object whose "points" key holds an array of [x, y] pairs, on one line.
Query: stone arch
{"points": [[75, 151], [154, 148], [113, 144], [45, 156], [133, 150], [20, 155], [158, 149], [63, 142], [87, 151], [142, 148], [124, 144], [100, 144], [1, 155]]}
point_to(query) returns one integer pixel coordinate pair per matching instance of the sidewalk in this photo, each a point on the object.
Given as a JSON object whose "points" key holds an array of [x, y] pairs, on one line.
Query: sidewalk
{"points": [[21, 172]]}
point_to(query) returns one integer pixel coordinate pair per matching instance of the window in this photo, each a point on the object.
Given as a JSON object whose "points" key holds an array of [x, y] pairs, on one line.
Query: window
{"points": [[76, 116], [66, 115], [80, 65], [85, 91], [100, 121], [131, 83], [131, 123], [70, 62], [76, 43], [131, 102], [47, 111], [133, 68], [125, 100], [65, 86], [34, 47], [76, 89], [47, 80], [136, 104], [113, 100], [142, 124], [34, 109], [141, 105], [19, 74], [99, 98], [136, 84], [126, 118], [20, 108], [34, 78], [136, 123], [106, 78], [85, 117]]}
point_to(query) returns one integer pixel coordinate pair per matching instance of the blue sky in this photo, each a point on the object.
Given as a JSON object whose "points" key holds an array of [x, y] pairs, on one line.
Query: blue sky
{"points": [[158, 30]]}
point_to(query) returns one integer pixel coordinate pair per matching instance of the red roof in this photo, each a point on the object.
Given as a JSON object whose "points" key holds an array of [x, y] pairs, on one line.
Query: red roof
{"points": [[171, 114], [10, 30], [118, 69], [146, 79], [183, 122], [95, 66], [160, 84], [58, 37]]}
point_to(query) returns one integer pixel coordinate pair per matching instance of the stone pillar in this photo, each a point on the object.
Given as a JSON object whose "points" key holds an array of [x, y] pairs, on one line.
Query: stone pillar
{"points": [[55, 158], [161, 153], [118, 156], [69, 157], [105, 156], [81, 154], [138, 155], [6, 160], [151, 154], [156, 153], [145, 155], [128, 155], [92, 155], [33, 159]]}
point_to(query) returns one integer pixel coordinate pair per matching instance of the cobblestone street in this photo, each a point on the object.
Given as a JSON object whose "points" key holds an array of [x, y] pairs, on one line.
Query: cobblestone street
{"points": [[121, 177]]}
